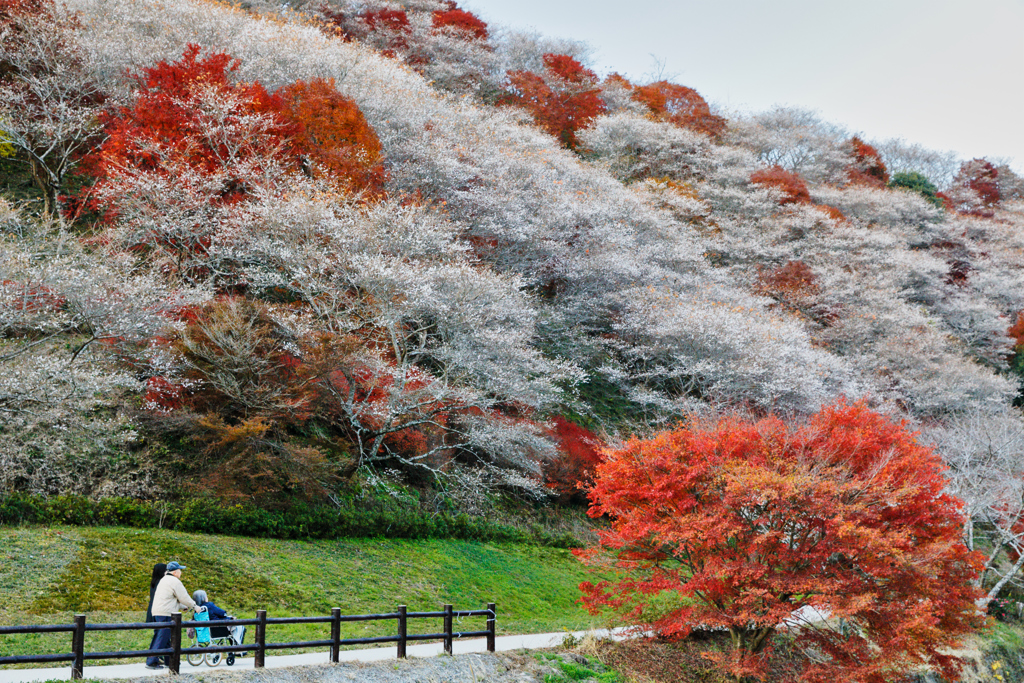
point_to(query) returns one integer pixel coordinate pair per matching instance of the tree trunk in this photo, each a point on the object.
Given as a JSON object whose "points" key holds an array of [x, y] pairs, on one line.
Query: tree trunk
{"points": [[48, 184], [992, 594]]}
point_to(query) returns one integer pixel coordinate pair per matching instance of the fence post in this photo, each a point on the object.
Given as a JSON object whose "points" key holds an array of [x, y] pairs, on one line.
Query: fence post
{"points": [[261, 638], [78, 647], [491, 618], [175, 660], [403, 630], [448, 629], [335, 634]]}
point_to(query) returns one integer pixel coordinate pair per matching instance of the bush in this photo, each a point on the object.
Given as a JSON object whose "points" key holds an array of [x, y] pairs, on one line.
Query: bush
{"points": [[916, 182], [354, 519], [1006, 610]]}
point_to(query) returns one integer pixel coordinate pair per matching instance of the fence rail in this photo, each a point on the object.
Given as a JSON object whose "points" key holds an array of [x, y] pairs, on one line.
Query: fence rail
{"points": [[260, 646]]}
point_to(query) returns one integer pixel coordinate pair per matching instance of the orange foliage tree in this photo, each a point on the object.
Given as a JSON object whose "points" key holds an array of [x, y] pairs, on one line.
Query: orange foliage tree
{"points": [[617, 80], [1016, 331], [868, 167], [242, 385], [792, 186], [679, 105], [792, 283], [562, 100], [752, 525], [334, 135]]}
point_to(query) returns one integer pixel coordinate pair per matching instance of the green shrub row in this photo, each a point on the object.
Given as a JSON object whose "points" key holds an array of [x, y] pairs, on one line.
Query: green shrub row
{"points": [[356, 519]]}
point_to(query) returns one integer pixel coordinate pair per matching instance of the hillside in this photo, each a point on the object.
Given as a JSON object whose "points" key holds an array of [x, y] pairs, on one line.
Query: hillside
{"points": [[50, 574], [465, 279], [325, 253]]}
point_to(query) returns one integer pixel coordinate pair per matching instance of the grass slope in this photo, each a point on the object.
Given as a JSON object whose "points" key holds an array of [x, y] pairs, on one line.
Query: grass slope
{"points": [[48, 574]]}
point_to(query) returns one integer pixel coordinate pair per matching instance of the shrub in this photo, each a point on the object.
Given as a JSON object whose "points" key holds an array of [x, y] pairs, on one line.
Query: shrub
{"points": [[1005, 610], [355, 518], [917, 182]]}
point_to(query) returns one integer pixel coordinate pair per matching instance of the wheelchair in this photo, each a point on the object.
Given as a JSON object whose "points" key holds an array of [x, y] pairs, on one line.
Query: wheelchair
{"points": [[219, 633]]}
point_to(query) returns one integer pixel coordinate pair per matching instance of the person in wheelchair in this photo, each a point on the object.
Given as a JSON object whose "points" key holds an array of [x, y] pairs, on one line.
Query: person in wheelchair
{"points": [[218, 633], [214, 612]]}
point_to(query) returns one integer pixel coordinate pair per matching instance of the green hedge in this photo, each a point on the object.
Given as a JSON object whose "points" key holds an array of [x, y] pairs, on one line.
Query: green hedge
{"points": [[359, 519]]}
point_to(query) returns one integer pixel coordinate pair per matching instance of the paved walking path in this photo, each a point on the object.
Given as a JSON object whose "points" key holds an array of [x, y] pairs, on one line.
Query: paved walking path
{"points": [[533, 641]]}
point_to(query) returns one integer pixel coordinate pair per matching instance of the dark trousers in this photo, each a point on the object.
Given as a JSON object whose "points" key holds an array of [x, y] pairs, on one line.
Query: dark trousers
{"points": [[161, 640]]}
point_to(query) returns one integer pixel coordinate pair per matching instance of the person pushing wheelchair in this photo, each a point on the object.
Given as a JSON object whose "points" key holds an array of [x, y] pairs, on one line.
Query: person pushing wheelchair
{"points": [[169, 597]]}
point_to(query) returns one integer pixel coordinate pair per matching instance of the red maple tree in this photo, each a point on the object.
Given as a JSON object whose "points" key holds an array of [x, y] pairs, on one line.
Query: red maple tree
{"points": [[792, 186], [170, 118], [394, 20], [461, 21], [679, 105], [192, 114], [334, 136], [980, 177], [191, 127], [745, 526], [868, 167], [1016, 331], [562, 100], [579, 452]]}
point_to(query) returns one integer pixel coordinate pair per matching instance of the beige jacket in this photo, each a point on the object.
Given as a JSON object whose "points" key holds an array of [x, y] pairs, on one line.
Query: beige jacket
{"points": [[170, 596]]}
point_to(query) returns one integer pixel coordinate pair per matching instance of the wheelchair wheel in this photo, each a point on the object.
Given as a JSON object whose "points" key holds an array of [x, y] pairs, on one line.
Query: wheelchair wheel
{"points": [[212, 658], [231, 659], [195, 658]]}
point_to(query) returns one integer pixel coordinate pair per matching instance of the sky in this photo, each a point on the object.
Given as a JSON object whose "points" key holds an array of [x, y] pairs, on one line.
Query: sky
{"points": [[946, 74]]}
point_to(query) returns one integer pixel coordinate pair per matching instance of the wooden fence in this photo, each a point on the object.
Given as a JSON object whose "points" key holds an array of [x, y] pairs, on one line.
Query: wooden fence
{"points": [[78, 629]]}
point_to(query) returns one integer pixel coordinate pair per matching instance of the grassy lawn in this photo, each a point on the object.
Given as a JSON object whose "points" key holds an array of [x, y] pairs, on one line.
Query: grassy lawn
{"points": [[49, 574]]}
